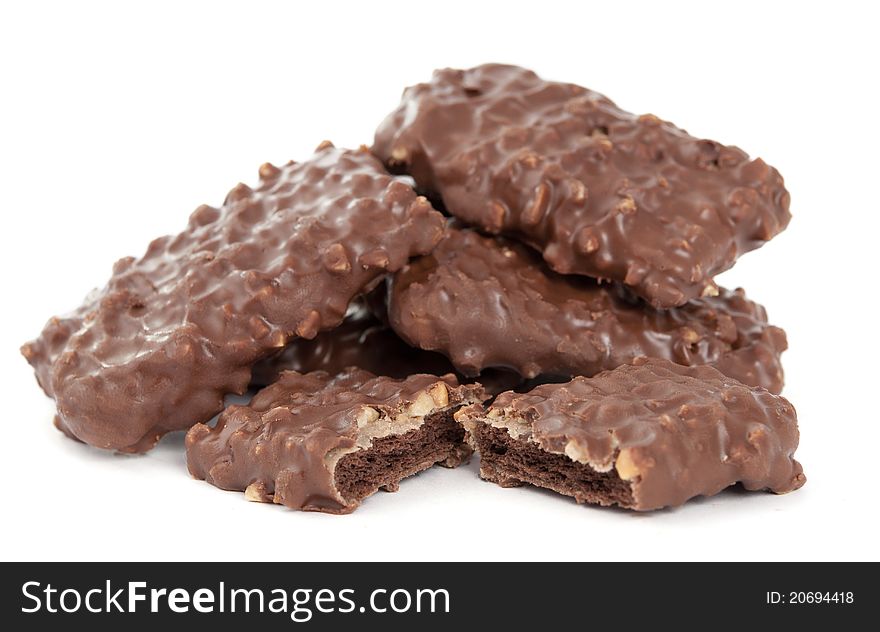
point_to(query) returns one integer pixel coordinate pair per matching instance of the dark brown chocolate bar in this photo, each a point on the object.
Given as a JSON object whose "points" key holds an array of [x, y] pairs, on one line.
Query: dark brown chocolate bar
{"points": [[322, 443], [361, 341], [490, 302], [601, 192], [643, 436], [173, 332]]}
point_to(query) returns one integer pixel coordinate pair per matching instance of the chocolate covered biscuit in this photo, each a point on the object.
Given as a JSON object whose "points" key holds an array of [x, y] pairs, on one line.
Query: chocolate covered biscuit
{"points": [[643, 436], [362, 341], [601, 192], [173, 332], [321, 443], [490, 302]]}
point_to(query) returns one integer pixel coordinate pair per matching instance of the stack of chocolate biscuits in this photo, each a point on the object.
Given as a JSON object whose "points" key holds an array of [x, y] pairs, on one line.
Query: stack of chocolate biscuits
{"points": [[516, 266]]}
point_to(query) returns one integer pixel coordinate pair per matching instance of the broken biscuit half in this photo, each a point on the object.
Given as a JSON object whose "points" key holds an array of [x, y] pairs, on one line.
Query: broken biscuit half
{"points": [[643, 436], [320, 442]]}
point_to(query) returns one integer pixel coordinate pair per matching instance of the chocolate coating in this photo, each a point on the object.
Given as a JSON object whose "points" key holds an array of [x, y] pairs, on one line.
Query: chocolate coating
{"points": [[44, 351], [670, 432], [289, 444], [173, 332], [490, 302], [600, 191], [362, 341]]}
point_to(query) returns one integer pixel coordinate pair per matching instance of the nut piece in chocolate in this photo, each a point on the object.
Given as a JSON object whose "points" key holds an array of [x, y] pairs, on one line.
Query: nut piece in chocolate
{"points": [[173, 332], [601, 192], [491, 302], [321, 443], [644, 436]]}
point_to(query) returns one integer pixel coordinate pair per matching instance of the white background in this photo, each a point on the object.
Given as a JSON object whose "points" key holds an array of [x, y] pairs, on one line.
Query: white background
{"points": [[117, 121]]}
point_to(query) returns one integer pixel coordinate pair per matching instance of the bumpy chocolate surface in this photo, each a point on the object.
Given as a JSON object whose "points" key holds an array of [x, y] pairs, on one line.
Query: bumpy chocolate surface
{"points": [[171, 333], [292, 443], [600, 191], [490, 302], [670, 432], [362, 341]]}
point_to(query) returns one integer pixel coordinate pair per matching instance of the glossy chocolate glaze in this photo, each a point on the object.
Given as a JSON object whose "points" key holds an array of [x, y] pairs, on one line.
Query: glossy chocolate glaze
{"points": [[491, 302], [601, 192], [174, 331]]}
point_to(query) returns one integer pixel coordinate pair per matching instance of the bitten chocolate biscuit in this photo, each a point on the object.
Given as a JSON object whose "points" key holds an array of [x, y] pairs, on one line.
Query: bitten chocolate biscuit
{"points": [[643, 436], [322, 443], [171, 333], [362, 341], [490, 302], [601, 192]]}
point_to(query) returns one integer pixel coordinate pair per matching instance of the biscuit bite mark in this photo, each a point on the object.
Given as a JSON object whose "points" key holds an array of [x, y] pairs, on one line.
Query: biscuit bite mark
{"points": [[318, 442]]}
